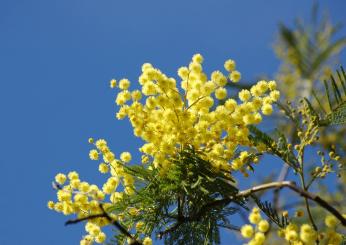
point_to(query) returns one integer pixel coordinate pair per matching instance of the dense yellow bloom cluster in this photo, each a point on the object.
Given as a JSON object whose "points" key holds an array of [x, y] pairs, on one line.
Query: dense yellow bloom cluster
{"points": [[79, 197], [168, 118], [293, 234], [306, 235], [255, 234]]}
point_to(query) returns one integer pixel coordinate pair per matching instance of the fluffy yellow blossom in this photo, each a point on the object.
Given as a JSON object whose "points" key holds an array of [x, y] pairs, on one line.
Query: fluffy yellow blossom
{"points": [[183, 72], [50, 205], [197, 58], [124, 84], [272, 85], [60, 178], [113, 83], [331, 221], [94, 155], [291, 235], [100, 238], [255, 216], [307, 234], [147, 241], [258, 239], [267, 109], [274, 95], [136, 95], [247, 231], [229, 65], [221, 93], [244, 95], [263, 226], [125, 157], [235, 76], [101, 144], [103, 168]]}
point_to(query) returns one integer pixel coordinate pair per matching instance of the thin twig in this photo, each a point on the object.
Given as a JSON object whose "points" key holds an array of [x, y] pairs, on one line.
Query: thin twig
{"points": [[291, 185], [104, 214]]}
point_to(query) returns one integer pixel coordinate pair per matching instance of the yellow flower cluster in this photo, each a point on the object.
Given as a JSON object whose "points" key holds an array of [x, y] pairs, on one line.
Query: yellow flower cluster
{"points": [[169, 118], [79, 197], [293, 234], [83, 199], [306, 235], [255, 234]]}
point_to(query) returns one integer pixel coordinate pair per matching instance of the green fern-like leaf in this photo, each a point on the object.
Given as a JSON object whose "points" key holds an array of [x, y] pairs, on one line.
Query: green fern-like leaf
{"points": [[271, 213], [278, 148], [335, 92], [338, 115]]}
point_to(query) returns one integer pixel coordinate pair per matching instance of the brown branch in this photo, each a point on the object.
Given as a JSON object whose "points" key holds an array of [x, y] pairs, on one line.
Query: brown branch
{"points": [[172, 228], [291, 185], [105, 215]]}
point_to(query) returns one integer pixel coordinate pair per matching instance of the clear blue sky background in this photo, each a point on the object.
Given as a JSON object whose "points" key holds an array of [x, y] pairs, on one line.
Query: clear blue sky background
{"points": [[56, 58]]}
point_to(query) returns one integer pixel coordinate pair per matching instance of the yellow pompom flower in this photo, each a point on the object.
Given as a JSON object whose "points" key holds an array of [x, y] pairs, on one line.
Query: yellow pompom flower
{"points": [[259, 238], [197, 58], [146, 66], [100, 144], [195, 67], [235, 76], [307, 233], [113, 83], [244, 95], [291, 235], [60, 178], [274, 95], [255, 218], [51, 205], [94, 155], [147, 241], [136, 95], [263, 226], [125, 156], [100, 238], [103, 168], [267, 109], [247, 231], [183, 72], [331, 221], [108, 157], [262, 86], [229, 65], [272, 85], [124, 84], [221, 93], [91, 140]]}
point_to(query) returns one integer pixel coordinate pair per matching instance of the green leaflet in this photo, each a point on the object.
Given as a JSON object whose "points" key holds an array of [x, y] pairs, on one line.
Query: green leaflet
{"points": [[188, 205], [278, 148], [271, 213], [338, 115]]}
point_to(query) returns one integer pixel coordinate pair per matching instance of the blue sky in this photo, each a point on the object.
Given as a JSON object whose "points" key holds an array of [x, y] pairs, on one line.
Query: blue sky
{"points": [[56, 58]]}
